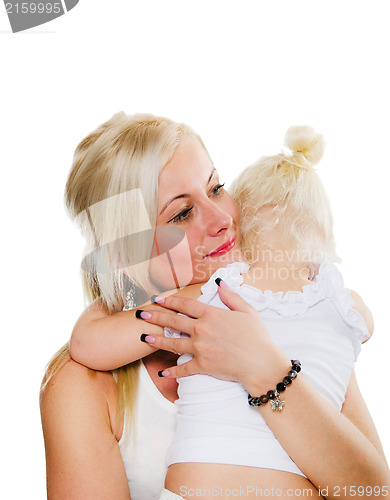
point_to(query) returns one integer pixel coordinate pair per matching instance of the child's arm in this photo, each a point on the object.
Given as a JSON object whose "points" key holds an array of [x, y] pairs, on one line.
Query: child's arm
{"points": [[104, 342]]}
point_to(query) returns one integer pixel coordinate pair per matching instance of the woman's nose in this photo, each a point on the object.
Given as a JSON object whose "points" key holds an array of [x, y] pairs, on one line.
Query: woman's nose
{"points": [[217, 220]]}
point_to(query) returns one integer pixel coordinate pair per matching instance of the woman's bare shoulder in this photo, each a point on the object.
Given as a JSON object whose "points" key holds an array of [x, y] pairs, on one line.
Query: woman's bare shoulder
{"points": [[82, 452], [72, 376], [74, 384]]}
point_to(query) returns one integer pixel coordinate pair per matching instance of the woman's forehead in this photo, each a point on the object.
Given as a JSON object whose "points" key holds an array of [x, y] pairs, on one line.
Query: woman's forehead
{"points": [[189, 169]]}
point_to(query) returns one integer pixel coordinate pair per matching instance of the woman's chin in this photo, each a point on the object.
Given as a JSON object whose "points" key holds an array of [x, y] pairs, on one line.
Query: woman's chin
{"points": [[169, 273], [217, 261]]}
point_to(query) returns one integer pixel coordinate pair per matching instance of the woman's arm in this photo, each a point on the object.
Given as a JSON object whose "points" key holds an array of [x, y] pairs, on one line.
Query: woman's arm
{"points": [[355, 409], [83, 460], [104, 342], [330, 449], [334, 452]]}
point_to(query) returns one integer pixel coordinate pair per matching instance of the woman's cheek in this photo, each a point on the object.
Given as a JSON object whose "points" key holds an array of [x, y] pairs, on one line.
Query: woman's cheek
{"points": [[173, 268]]}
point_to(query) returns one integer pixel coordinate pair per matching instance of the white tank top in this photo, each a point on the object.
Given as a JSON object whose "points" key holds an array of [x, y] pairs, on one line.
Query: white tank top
{"points": [[318, 326], [143, 452]]}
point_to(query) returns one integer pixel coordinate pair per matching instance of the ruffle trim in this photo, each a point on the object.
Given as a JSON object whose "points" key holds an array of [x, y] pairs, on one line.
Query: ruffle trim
{"points": [[327, 284]]}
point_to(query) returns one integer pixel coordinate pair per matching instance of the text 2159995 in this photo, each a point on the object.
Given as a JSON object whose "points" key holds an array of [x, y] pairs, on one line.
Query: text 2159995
{"points": [[33, 8]]}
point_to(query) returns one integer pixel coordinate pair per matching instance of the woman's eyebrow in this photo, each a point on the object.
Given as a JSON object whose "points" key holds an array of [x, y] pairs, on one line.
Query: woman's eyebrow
{"points": [[185, 195]]}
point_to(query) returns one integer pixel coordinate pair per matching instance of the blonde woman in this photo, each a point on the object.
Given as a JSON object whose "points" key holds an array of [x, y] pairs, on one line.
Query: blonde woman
{"points": [[228, 344]]}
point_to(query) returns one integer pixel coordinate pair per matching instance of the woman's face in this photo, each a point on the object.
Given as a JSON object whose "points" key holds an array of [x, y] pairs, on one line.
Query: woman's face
{"points": [[192, 199]]}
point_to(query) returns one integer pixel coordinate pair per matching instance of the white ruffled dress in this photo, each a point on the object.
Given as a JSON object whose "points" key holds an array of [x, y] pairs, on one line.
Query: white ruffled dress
{"points": [[318, 326]]}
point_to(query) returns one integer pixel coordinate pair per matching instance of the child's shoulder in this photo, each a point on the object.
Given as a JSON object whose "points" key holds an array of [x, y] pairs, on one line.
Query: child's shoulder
{"points": [[364, 311], [190, 291], [329, 273]]}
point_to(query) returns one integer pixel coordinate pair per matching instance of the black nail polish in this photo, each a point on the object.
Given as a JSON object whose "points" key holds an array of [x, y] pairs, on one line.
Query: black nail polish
{"points": [[160, 373], [138, 313], [143, 337], [153, 299], [218, 281]]}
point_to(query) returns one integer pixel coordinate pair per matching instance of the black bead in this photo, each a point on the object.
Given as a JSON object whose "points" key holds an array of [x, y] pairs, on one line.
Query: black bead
{"points": [[281, 386], [292, 374], [253, 401]]}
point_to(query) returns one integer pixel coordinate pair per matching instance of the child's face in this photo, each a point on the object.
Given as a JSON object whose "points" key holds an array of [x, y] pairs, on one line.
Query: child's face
{"points": [[191, 198]]}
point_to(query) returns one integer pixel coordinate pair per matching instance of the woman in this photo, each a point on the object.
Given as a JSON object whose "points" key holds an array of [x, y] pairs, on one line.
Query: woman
{"points": [[82, 456], [75, 406]]}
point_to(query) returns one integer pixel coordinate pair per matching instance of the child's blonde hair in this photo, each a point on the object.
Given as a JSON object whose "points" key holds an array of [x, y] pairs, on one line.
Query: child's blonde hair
{"points": [[284, 194]]}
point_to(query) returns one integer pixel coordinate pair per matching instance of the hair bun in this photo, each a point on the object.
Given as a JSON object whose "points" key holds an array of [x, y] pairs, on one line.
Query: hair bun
{"points": [[305, 141]]}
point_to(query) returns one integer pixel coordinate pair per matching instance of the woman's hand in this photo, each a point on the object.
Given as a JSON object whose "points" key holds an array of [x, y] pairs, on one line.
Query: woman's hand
{"points": [[229, 344]]}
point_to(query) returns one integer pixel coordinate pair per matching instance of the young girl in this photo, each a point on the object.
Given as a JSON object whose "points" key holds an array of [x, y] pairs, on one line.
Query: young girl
{"points": [[290, 279]]}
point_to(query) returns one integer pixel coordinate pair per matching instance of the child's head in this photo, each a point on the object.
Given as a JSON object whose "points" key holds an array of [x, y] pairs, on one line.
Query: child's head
{"points": [[283, 204]]}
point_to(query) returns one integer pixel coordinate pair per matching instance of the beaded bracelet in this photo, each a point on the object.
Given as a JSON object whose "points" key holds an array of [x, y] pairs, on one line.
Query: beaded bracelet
{"points": [[280, 387]]}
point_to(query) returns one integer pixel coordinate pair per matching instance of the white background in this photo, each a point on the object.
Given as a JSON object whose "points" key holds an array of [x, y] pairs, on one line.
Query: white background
{"points": [[240, 73]]}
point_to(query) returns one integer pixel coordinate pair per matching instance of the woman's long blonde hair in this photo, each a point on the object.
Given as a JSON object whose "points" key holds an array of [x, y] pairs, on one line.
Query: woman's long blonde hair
{"points": [[285, 193], [111, 193]]}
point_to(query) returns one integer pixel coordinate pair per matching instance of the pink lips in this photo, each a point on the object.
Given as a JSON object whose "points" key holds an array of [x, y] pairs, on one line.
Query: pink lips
{"points": [[228, 245]]}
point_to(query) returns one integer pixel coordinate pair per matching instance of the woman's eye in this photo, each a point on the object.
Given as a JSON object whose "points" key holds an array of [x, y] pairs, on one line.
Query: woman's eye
{"points": [[216, 190], [187, 213], [183, 215]]}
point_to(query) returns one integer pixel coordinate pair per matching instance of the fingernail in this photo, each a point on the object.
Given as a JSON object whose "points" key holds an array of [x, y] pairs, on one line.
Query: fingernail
{"points": [[157, 299], [163, 373], [141, 314], [148, 339], [221, 283]]}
